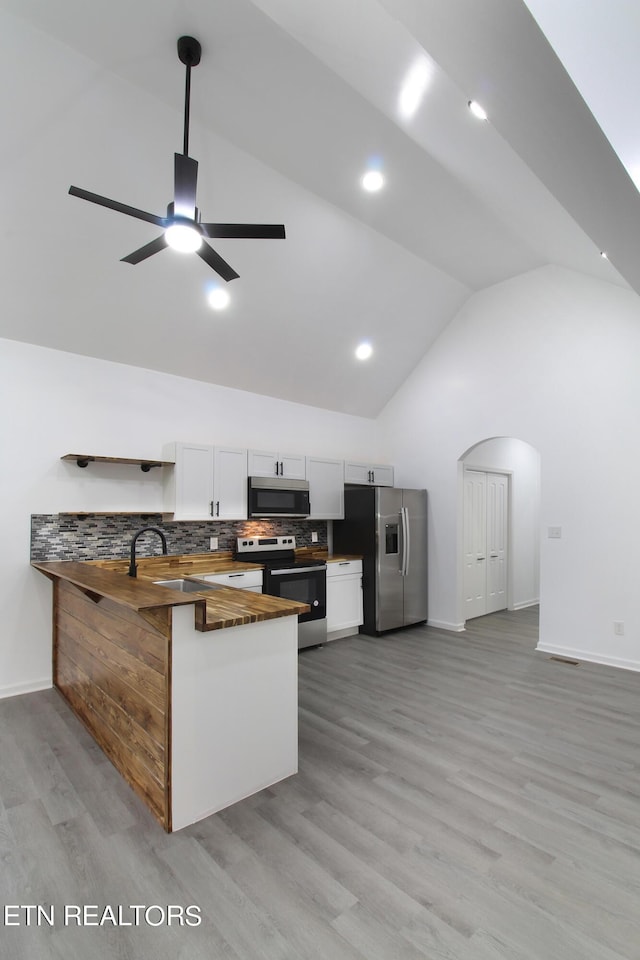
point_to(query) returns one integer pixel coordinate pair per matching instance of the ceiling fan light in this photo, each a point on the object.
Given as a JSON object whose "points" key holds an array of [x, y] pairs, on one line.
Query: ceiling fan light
{"points": [[183, 238]]}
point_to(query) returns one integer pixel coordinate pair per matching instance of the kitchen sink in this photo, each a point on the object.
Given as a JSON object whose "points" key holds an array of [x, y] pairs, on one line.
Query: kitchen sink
{"points": [[187, 586]]}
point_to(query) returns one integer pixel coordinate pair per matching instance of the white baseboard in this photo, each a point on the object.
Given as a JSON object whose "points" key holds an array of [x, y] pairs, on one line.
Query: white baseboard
{"points": [[17, 689], [444, 625], [524, 604], [340, 634], [589, 657]]}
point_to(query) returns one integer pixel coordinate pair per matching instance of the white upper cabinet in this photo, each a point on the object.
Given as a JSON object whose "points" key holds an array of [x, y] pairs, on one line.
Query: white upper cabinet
{"points": [[206, 483], [263, 463], [369, 474], [326, 488], [229, 483]]}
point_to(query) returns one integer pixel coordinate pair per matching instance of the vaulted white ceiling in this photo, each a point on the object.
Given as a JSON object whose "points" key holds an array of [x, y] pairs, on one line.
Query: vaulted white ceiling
{"points": [[290, 103]]}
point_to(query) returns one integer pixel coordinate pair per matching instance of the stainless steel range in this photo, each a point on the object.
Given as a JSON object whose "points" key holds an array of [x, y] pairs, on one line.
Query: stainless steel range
{"points": [[285, 576]]}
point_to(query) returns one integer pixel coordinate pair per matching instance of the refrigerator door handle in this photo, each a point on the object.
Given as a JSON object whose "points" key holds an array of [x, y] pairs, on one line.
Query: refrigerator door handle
{"points": [[406, 545]]}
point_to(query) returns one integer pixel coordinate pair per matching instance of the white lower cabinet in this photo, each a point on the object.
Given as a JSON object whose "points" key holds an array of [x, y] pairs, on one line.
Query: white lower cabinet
{"points": [[344, 598], [241, 580], [326, 488]]}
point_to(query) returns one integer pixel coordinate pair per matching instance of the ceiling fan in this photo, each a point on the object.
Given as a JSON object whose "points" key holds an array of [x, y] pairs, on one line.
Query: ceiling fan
{"points": [[183, 229]]}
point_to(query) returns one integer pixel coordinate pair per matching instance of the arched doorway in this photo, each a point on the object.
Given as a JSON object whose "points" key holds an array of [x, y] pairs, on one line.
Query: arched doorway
{"points": [[506, 471]]}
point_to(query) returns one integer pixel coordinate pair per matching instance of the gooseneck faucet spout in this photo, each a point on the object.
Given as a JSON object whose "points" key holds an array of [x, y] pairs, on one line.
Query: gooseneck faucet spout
{"points": [[132, 564]]}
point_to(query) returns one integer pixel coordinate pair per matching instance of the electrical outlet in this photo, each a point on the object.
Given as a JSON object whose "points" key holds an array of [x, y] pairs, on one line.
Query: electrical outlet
{"points": [[314, 537], [213, 543], [554, 533], [618, 628]]}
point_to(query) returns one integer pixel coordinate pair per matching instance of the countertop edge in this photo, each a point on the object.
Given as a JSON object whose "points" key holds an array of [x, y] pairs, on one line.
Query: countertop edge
{"points": [[140, 595]]}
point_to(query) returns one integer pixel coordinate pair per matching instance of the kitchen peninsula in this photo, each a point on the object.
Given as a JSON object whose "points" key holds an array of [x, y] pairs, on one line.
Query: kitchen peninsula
{"points": [[191, 695]]}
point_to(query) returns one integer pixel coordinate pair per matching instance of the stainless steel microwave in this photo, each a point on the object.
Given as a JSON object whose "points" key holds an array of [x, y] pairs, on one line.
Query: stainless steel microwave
{"points": [[278, 497]]}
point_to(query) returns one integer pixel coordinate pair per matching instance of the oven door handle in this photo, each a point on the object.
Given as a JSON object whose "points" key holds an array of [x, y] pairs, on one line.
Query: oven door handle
{"points": [[315, 569]]}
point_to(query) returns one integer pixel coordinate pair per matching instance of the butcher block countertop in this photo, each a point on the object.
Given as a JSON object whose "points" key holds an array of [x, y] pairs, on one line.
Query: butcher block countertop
{"points": [[214, 610], [314, 554]]}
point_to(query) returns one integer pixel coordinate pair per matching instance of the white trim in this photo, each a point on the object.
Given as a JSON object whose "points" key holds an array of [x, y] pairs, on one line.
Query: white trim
{"points": [[523, 604], [17, 689], [444, 625], [589, 657]]}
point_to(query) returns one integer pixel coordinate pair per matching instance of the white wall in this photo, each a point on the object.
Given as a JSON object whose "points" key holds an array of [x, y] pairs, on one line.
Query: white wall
{"points": [[522, 463], [55, 403], [550, 357]]}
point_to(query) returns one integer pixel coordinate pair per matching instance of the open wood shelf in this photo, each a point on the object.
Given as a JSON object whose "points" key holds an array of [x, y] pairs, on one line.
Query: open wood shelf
{"points": [[84, 459]]}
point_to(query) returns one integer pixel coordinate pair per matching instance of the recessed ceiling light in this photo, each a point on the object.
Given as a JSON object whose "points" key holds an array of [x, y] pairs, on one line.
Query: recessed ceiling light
{"points": [[414, 87], [372, 180], [477, 110], [183, 238], [364, 350], [218, 298]]}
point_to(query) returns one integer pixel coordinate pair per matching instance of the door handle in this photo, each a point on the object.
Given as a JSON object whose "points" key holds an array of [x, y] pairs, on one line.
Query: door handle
{"points": [[404, 522], [481, 558]]}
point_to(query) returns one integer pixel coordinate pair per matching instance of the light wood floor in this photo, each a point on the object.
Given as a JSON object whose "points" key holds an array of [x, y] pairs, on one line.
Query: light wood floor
{"points": [[459, 797]]}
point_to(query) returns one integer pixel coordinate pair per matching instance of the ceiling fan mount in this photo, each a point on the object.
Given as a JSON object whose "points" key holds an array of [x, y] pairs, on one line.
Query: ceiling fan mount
{"points": [[182, 226], [189, 51]]}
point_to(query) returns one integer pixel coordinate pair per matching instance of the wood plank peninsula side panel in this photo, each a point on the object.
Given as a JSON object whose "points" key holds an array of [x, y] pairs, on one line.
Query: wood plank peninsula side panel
{"points": [[113, 667]]}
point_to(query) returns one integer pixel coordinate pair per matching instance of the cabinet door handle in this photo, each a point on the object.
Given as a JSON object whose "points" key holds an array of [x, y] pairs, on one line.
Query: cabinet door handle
{"points": [[344, 563], [236, 575], [211, 508], [217, 508]]}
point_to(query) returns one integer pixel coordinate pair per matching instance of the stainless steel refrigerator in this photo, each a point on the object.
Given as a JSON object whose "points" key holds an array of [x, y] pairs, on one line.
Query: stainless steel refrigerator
{"points": [[388, 526]]}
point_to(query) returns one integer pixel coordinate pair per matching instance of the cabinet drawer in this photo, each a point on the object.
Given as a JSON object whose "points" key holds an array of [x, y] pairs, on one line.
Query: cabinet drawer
{"points": [[251, 579], [340, 568]]}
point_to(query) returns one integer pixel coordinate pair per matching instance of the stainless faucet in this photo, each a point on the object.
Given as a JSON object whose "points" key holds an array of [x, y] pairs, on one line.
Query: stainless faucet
{"points": [[132, 565]]}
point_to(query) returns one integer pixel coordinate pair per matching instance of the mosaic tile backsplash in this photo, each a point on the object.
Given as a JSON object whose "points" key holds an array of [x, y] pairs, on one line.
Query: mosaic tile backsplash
{"points": [[108, 536]]}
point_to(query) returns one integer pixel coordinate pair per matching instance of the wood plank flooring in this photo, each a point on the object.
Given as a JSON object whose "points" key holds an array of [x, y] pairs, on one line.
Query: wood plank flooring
{"points": [[460, 797]]}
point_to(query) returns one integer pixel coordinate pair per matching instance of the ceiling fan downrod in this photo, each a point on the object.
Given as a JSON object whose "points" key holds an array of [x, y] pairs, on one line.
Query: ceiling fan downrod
{"points": [[189, 52]]}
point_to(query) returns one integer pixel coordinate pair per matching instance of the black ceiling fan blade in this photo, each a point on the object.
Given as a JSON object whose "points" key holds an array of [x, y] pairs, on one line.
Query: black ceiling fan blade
{"points": [[155, 246], [117, 206], [185, 179], [215, 261], [244, 231]]}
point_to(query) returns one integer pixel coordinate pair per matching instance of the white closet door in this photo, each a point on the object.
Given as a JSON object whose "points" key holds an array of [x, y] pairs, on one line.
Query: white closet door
{"points": [[475, 543], [497, 525], [486, 525]]}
